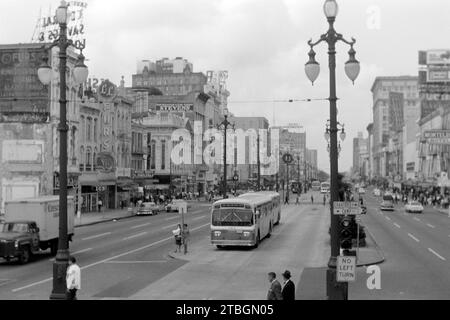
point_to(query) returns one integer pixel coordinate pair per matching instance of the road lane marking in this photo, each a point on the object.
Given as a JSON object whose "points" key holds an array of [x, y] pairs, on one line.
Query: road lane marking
{"points": [[172, 218], [398, 226], [198, 218], [131, 262], [135, 236], [417, 219], [387, 218], [97, 236], [76, 252], [140, 225], [110, 258], [411, 236], [430, 225], [436, 254], [171, 226]]}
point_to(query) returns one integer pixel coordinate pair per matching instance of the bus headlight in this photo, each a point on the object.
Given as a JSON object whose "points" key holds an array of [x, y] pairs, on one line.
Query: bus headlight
{"points": [[217, 233], [246, 233]]}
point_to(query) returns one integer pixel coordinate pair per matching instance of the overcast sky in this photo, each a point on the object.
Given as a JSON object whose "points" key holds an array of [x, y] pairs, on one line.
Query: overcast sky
{"points": [[263, 45]]}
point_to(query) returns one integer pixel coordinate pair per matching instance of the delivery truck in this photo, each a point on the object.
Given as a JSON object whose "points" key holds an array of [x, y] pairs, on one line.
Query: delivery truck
{"points": [[32, 225]]}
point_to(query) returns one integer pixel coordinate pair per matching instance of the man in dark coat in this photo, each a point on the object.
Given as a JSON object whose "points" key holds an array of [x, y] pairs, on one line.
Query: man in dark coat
{"points": [[288, 291]]}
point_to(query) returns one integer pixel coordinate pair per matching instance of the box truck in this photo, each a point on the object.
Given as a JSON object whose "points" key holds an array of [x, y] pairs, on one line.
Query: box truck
{"points": [[32, 225]]}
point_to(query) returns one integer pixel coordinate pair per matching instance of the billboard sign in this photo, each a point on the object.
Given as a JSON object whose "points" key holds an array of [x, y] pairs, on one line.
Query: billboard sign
{"points": [[437, 136], [438, 57], [441, 74], [20, 89], [47, 29]]}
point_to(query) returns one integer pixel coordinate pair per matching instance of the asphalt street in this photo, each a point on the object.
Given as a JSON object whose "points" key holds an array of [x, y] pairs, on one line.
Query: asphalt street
{"points": [[117, 257], [417, 252]]}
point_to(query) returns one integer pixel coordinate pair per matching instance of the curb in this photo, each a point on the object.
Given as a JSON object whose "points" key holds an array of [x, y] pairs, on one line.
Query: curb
{"points": [[377, 248], [103, 221], [170, 255]]}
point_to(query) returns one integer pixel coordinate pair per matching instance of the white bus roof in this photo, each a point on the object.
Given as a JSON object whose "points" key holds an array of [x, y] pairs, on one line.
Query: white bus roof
{"points": [[253, 200]]}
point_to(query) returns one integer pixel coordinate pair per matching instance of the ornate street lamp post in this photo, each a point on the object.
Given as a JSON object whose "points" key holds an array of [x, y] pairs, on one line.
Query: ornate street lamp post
{"points": [[45, 74], [335, 290], [224, 126]]}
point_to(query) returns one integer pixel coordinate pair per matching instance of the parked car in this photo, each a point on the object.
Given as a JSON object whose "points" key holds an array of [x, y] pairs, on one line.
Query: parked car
{"points": [[361, 190], [148, 208], [376, 192], [175, 205], [388, 203], [414, 206]]}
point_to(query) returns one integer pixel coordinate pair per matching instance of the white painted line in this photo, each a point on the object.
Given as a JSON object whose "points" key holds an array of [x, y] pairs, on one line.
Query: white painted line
{"points": [[97, 236], [135, 236], [171, 226], [430, 225], [81, 251], [131, 262], [198, 218], [414, 238], [141, 225], [417, 219], [387, 218], [110, 258], [172, 218], [398, 226], [436, 254]]}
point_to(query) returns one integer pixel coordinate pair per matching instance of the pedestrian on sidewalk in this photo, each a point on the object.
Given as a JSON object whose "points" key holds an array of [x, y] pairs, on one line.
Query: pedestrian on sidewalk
{"points": [[312, 199], [73, 279], [274, 292], [288, 291], [324, 199], [186, 236], [100, 204], [297, 202], [286, 200], [178, 238]]}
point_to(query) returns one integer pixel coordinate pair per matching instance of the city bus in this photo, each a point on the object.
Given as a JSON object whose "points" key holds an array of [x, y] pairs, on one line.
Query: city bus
{"points": [[242, 221], [315, 185], [276, 202], [324, 187]]}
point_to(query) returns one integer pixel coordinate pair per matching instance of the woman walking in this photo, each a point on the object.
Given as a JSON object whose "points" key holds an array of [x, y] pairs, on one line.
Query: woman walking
{"points": [[178, 238]]}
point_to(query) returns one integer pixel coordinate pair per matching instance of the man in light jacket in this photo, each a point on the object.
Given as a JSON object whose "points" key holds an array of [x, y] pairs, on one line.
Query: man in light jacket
{"points": [[73, 279], [275, 288]]}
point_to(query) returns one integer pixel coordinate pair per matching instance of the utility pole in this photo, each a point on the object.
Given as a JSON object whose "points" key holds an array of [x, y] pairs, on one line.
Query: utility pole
{"points": [[259, 166]]}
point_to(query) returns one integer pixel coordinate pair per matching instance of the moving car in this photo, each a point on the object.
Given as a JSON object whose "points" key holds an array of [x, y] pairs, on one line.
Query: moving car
{"points": [[388, 203], [376, 192], [148, 208], [414, 206], [176, 204]]}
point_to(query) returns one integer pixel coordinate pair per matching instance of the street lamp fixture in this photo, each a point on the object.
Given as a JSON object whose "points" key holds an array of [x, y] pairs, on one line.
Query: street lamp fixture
{"points": [[330, 8], [45, 75], [335, 290]]}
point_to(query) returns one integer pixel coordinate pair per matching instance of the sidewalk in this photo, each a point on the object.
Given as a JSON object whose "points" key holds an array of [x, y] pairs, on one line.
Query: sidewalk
{"points": [[91, 218]]}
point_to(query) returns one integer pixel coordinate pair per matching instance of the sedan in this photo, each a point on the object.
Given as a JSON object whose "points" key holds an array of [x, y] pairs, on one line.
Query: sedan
{"points": [[376, 192], [414, 206], [148, 208]]}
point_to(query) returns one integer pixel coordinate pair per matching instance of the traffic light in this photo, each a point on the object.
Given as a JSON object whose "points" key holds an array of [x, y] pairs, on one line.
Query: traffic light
{"points": [[346, 233]]}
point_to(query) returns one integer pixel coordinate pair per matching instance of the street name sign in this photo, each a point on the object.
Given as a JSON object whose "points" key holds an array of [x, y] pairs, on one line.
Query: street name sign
{"points": [[346, 269], [346, 208]]}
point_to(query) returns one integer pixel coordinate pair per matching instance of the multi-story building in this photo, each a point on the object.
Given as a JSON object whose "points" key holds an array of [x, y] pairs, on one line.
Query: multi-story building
{"points": [[370, 151], [381, 90], [29, 117]]}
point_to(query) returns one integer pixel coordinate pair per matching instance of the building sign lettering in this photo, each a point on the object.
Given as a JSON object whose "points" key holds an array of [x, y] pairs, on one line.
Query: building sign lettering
{"points": [[176, 107]]}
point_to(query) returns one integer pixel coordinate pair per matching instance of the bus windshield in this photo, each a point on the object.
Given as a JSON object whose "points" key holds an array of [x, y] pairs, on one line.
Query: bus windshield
{"points": [[232, 217]]}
